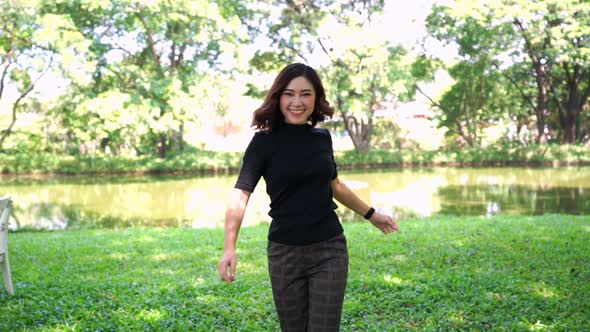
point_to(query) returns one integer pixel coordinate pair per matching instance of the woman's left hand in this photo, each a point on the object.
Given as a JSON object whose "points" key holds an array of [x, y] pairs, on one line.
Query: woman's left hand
{"points": [[384, 222]]}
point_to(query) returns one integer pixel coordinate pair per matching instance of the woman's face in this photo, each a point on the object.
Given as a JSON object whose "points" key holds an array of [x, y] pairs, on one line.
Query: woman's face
{"points": [[297, 100]]}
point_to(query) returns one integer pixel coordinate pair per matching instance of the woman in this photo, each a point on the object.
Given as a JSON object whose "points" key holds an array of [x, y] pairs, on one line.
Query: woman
{"points": [[307, 252]]}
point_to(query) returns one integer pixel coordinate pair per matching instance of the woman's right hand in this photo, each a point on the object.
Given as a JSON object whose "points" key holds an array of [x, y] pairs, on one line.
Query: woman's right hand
{"points": [[230, 260], [233, 219]]}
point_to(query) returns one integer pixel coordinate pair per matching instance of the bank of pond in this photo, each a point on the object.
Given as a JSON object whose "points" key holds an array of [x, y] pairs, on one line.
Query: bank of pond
{"points": [[193, 161]]}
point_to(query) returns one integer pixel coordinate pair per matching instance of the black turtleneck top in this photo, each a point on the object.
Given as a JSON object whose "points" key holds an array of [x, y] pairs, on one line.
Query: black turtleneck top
{"points": [[297, 163]]}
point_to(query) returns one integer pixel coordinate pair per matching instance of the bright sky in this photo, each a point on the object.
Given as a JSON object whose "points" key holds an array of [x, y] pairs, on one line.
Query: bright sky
{"points": [[403, 20]]}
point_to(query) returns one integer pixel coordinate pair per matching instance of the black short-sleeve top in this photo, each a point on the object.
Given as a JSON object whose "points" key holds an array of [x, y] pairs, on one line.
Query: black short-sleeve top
{"points": [[297, 163]]}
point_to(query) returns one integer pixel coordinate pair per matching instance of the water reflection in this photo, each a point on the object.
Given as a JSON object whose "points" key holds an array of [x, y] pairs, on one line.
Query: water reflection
{"points": [[68, 202], [480, 200], [59, 217]]}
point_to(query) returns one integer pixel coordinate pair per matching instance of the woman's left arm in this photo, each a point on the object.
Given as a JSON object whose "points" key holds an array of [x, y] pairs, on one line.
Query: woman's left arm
{"points": [[348, 198]]}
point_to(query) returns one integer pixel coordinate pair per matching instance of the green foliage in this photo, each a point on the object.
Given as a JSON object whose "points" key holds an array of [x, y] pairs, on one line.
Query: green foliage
{"points": [[501, 154], [191, 162], [474, 102], [480, 95], [144, 91], [295, 27], [538, 44], [361, 75], [135, 75], [266, 62], [364, 79], [446, 273], [423, 68], [29, 44]]}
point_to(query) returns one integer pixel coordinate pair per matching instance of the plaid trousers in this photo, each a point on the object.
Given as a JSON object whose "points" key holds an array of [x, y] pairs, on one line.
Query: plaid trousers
{"points": [[308, 284]]}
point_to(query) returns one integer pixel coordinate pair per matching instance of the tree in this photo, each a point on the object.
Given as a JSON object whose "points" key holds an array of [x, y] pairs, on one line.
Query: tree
{"points": [[147, 55], [556, 37], [551, 37], [365, 79], [18, 53], [475, 101], [478, 97], [362, 76]]}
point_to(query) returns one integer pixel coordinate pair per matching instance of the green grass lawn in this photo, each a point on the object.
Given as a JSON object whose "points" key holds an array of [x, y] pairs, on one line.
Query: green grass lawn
{"points": [[449, 273]]}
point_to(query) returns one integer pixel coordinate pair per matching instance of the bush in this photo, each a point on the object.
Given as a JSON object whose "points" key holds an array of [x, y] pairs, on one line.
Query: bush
{"points": [[200, 161]]}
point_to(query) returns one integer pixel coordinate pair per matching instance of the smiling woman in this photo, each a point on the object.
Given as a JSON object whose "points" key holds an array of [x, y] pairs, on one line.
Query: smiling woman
{"points": [[307, 249], [299, 95]]}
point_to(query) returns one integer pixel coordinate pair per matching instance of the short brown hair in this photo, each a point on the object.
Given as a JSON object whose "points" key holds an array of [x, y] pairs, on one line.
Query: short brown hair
{"points": [[268, 116]]}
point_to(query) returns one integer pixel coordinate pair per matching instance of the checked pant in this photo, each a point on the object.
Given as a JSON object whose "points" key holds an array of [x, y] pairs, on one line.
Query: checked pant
{"points": [[308, 284]]}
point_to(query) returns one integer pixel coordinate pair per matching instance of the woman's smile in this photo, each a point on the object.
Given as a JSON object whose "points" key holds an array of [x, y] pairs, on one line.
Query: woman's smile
{"points": [[297, 101]]}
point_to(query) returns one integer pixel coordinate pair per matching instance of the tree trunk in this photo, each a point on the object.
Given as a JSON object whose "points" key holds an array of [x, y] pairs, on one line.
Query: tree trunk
{"points": [[540, 78], [162, 146], [540, 111], [15, 105], [181, 137], [359, 132], [568, 135], [8, 130], [569, 124], [571, 108], [151, 47], [541, 107], [459, 130]]}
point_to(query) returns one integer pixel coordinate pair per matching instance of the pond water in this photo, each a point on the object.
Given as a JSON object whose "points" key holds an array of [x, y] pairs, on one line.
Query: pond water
{"points": [[74, 202]]}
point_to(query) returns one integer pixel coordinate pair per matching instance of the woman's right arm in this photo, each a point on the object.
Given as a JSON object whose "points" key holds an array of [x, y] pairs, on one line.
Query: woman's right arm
{"points": [[234, 214]]}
